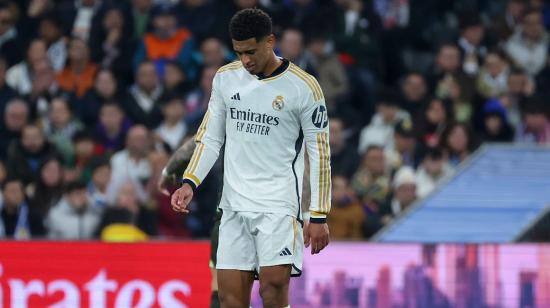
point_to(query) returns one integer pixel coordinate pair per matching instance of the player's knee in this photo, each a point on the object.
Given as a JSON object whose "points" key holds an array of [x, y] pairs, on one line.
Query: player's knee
{"points": [[228, 300], [273, 289]]}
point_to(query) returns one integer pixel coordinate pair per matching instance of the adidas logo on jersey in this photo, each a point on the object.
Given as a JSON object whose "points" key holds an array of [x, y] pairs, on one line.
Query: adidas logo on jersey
{"points": [[285, 252], [236, 97]]}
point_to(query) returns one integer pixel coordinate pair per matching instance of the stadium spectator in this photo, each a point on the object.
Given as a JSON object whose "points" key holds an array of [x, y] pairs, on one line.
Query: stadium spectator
{"points": [[404, 194], [196, 102], [44, 87], [77, 17], [73, 218], [27, 154], [405, 151], [197, 16], [136, 213], [344, 159], [61, 126], [520, 87], [142, 102], [10, 42], [46, 192], [6, 92], [536, 125], [433, 169], [492, 80], [3, 176], [309, 16], [380, 129], [213, 53], [14, 212], [291, 47], [119, 227], [110, 133], [16, 116], [166, 42], [471, 43], [173, 129], [354, 37], [503, 25], [175, 80], [496, 127], [371, 182], [329, 71], [106, 88], [20, 76], [132, 163], [458, 142], [140, 17], [435, 116], [414, 93], [50, 31], [528, 46], [542, 79], [101, 176], [79, 73], [84, 152], [447, 75], [111, 44], [346, 217]]}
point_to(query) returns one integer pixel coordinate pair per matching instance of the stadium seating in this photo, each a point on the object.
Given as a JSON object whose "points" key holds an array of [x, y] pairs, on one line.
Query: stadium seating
{"points": [[496, 196]]}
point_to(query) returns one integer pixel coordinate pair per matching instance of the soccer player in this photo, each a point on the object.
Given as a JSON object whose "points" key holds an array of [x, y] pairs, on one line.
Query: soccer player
{"points": [[168, 179], [263, 108]]}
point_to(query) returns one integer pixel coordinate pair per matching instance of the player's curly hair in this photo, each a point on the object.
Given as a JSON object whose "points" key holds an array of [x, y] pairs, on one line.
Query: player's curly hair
{"points": [[250, 23]]}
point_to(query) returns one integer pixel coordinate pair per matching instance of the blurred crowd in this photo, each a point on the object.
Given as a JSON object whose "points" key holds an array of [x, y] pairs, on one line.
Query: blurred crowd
{"points": [[95, 95]]}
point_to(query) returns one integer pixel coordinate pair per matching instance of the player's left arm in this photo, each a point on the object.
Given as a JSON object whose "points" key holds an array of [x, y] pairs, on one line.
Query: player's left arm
{"points": [[314, 122]]}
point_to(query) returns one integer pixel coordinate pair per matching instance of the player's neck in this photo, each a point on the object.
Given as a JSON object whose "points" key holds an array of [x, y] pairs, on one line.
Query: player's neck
{"points": [[272, 65]]}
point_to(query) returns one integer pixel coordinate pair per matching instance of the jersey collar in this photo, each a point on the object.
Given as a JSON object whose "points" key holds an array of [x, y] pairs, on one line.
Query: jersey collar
{"points": [[278, 71]]}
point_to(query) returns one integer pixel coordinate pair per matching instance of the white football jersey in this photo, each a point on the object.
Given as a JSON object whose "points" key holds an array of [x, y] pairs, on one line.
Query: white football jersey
{"points": [[264, 123]]}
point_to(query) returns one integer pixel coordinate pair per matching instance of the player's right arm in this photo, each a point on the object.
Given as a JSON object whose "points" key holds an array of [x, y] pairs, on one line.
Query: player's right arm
{"points": [[208, 140]]}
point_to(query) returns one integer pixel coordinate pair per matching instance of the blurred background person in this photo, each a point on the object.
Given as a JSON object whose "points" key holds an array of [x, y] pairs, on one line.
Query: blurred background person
{"points": [[27, 154], [433, 169], [404, 194], [15, 221], [78, 75], [142, 101], [528, 46], [458, 143], [16, 116], [127, 217], [46, 191], [167, 41], [132, 164], [346, 218], [112, 127], [73, 218], [173, 128]]}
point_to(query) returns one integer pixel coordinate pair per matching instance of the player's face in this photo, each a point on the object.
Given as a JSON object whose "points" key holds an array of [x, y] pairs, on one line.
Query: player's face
{"points": [[254, 54]]}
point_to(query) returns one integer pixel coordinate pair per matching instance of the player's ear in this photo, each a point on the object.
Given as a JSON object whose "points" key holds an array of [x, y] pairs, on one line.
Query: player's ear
{"points": [[270, 40]]}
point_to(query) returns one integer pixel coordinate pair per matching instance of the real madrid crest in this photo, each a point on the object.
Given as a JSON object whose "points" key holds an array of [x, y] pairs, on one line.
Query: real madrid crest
{"points": [[278, 103]]}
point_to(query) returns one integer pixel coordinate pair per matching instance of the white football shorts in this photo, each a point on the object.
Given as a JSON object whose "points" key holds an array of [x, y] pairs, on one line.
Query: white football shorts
{"points": [[251, 240]]}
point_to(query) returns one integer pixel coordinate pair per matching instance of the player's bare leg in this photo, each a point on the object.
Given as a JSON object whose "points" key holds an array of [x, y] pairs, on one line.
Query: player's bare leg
{"points": [[234, 288], [274, 281], [214, 301]]}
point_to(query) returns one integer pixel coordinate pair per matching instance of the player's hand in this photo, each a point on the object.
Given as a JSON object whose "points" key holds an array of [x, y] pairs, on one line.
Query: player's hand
{"points": [[181, 198], [317, 236], [307, 238], [165, 182]]}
